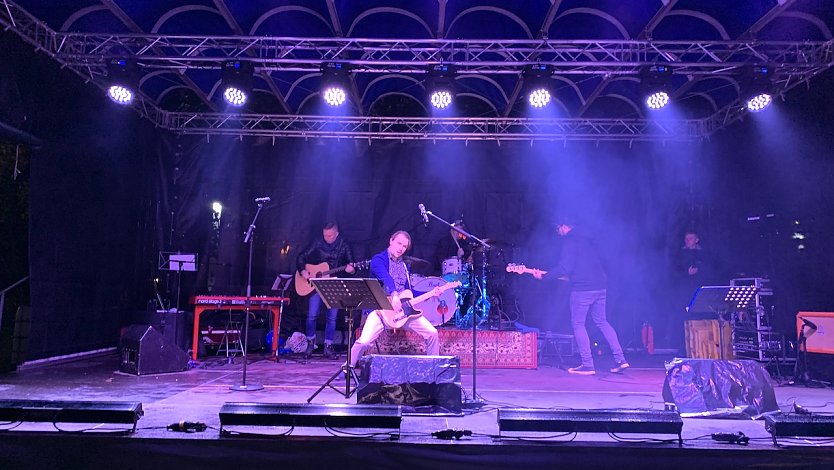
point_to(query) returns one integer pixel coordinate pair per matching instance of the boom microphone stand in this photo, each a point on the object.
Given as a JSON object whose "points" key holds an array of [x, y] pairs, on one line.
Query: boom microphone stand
{"points": [[250, 234], [474, 402]]}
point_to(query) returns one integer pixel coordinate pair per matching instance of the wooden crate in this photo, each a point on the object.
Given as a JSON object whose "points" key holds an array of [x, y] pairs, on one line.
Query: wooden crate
{"points": [[702, 341]]}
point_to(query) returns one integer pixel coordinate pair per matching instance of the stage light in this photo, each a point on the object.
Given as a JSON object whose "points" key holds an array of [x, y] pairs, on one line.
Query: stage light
{"points": [[334, 83], [657, 100], [335, 96], [234, 96], [537, 84], [119, 94], [575, 421], [759, 102], [756, 87], [539, 98], [440, 85], [310, 415], [217, 208], [49, 411], [122, 81], [237, 82], [654, 85]]}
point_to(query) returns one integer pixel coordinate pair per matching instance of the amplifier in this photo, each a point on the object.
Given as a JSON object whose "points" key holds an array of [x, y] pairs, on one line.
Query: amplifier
{"points": [[745, 340]]}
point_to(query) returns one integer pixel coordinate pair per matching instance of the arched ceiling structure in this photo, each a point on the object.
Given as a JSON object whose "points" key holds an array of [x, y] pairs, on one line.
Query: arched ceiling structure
{"points": [[596, 48]]}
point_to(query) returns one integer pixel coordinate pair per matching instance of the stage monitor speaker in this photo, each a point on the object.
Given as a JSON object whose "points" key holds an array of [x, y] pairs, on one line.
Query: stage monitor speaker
{"points": [[145, 351], [719, 389], [421, 384]]}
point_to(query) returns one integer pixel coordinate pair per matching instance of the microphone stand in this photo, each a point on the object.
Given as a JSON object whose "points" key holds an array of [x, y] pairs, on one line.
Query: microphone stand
{"points": [[474, 403], [243, 386]]}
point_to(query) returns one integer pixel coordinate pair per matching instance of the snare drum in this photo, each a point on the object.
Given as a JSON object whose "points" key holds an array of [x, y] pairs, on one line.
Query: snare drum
{"points": [[437, 310], [451, 266]]}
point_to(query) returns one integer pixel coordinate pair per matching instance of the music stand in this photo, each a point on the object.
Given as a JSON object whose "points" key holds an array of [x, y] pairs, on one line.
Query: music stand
{"points": [[349, 294], [719, 300], [281, 284], [179, 262]]}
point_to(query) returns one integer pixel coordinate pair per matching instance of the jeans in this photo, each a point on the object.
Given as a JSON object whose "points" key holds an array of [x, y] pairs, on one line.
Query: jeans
{"points": [[312, 316], [374, 326], [593, 301]]}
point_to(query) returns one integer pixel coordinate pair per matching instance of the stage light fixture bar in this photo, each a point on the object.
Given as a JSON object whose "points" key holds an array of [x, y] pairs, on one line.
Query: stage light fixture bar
{"points": [[796, 425], [608, 421], [311, 415], [71, 411]]}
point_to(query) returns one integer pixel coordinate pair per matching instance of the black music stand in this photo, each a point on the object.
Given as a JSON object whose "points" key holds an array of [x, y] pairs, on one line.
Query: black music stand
{"points": [[721, 301], [349, 294]]}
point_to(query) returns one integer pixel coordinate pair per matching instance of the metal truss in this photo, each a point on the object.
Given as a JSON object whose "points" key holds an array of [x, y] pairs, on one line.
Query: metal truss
{"points": [[86, 54], [412, 55], [385, 128]]}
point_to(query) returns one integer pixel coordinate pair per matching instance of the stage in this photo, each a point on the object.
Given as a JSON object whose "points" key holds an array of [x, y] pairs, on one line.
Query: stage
{"points": [[198, 394]]}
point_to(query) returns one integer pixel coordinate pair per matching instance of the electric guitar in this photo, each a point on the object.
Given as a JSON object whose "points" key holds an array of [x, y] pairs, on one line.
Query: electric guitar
{"points": [[397, 318], [521, 269], [304, 287]]}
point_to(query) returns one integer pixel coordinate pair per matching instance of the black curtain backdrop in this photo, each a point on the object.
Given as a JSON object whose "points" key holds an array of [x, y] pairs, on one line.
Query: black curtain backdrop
{"points": [[87, 185], [627, 196], [109, 192]]}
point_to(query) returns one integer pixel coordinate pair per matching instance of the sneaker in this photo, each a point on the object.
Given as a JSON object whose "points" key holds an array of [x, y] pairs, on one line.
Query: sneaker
{"points": [[308, 353], [329, 353], [621, 366], [582, 370]]}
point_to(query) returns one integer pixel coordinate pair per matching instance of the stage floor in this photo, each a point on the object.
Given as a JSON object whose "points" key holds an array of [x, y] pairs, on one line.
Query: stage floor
{"points": [[197, 395]]}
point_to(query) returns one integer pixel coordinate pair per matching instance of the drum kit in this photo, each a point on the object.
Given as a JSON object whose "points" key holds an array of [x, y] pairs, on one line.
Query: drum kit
{"points": [[454, 304]]}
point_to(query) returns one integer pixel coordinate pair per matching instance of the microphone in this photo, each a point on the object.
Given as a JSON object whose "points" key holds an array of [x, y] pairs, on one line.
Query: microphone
{"points": [[808, 323], [262, 199], [423, 213]]}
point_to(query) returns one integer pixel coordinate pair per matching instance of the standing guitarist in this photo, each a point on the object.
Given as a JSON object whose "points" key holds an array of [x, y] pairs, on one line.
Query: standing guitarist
{"points": [[335, 251], [389, 267]]}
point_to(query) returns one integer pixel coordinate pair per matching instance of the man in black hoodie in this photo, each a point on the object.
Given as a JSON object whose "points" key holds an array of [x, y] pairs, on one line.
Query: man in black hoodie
{"points": [[581, 265]]}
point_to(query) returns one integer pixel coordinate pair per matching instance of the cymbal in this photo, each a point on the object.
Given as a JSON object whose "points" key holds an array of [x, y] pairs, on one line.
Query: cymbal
{"points": [[493, 243], [418, 265]]}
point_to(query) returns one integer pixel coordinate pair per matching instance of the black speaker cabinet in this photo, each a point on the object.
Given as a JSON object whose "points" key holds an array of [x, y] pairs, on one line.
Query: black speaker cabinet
{"points": [[145, 351], [422, 384]]}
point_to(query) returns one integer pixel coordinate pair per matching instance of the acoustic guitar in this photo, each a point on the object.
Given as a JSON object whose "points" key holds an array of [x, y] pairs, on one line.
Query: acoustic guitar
{"points": [[304, 287], [397, 318]]}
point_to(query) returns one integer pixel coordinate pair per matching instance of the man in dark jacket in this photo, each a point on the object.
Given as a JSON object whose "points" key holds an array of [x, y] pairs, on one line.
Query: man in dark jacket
{"points": [[335, 251], [581, 265]]}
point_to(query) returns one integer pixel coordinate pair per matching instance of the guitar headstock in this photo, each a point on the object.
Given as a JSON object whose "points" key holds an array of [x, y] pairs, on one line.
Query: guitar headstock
{"points": [[516, 268]]}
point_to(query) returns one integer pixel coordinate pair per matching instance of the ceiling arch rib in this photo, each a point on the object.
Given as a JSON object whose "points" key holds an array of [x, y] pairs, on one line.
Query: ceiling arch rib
{"points": [[719, 28], [818, 23], [397, 11], [598, 13], [398, 93], [80, 14], [285, 9], [515, 18], [387, 77], [176, 11]]}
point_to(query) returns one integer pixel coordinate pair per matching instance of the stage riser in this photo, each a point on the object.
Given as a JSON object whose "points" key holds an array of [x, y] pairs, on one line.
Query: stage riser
{"points": [[495, 349]]}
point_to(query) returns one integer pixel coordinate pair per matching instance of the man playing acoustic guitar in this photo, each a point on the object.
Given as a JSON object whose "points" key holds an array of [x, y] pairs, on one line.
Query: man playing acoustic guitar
{"points": [[389, 267], [334, 251]]}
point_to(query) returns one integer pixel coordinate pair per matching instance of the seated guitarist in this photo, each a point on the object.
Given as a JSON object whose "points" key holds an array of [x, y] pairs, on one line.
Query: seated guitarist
{"points": [[388, 267], [335, 251]]}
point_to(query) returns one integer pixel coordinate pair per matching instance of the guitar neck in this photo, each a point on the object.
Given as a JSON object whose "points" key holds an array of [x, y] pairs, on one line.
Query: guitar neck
{"points": [[428, 295]]}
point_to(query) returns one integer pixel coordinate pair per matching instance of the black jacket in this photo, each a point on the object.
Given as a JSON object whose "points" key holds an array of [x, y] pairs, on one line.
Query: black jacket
{"points": [[335, 255], [581, 263]]}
